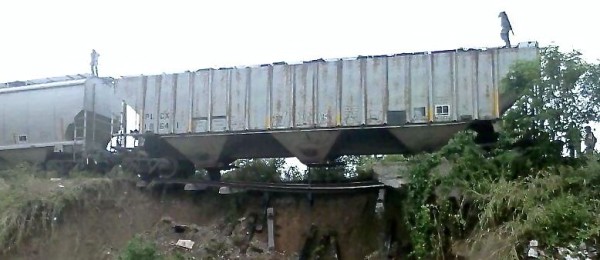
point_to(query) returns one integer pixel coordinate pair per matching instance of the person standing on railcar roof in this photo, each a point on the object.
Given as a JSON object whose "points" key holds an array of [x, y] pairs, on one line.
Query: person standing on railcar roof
{"points": [[506, 27], [94, 63]]}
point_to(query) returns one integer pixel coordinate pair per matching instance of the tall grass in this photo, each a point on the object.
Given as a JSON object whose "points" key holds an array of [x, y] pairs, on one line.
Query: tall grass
{"points": [[31, 202]]}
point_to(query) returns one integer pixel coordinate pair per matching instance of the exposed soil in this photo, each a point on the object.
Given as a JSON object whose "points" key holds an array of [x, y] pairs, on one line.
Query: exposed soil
{"points": [[101, 228]]}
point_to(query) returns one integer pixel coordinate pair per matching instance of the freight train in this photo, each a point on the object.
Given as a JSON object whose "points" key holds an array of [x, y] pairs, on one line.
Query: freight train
{"points": [[206, 119]]}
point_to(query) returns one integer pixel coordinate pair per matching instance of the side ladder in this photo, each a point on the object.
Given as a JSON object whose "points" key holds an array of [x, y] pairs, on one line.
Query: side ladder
{"points": [[80, 137]]}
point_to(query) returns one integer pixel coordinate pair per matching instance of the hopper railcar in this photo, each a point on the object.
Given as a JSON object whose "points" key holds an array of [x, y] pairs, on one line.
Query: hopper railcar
{"points": [[56, 122], [206, 119], [318, 110]]}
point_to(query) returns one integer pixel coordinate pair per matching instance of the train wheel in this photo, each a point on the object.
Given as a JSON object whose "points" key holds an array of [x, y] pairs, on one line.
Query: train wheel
{"points": [[214, 174], [169, 169], [186, 169]]}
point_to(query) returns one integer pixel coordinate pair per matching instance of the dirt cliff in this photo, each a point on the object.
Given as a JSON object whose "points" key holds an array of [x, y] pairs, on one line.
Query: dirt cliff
{"points": [[102, 225]]}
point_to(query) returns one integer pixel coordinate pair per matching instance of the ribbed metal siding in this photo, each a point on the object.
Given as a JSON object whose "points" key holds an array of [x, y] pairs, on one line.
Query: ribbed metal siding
{"points": [[304, 93], [282, 97], [183, 103], [393, 90]]}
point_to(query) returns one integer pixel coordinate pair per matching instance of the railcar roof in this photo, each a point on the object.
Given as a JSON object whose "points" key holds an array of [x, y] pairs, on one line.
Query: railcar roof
{"points": [[21, 83]]}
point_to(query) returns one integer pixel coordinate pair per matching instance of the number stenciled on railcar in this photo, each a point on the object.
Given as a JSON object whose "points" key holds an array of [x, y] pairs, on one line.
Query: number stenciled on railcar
{"points": [[163, 119], [161, 125]]}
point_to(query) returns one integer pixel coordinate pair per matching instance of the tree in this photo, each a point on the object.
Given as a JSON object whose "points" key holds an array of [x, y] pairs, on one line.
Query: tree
{"points": [[560, 95], [524, 181]]}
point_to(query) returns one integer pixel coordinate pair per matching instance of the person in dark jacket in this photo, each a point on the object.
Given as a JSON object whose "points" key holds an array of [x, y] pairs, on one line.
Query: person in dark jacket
{"points": [[589, 140], [506, 27]]}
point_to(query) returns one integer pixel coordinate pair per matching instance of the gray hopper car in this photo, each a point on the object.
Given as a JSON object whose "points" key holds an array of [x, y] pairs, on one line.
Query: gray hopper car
{"points": [[321, 109], [54, 122], [314, 111]]}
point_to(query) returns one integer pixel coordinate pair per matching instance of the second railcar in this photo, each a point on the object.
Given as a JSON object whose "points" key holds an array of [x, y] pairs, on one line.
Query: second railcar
{"points": [[56, 121], [321, 109]]}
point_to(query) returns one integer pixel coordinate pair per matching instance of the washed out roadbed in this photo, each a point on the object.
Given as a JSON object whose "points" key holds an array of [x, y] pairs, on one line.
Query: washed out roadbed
{"points": [[84, 217]]}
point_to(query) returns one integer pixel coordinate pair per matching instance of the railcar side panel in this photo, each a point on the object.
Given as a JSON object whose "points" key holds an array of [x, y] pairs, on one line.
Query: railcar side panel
{"points": [[327, 94], [258, 107], [238, 96], [39, 119], [352, 93], [398, 90], [201, 101], [437, 87], [151, 103], [219, 100], [485, 86], [282, 95], [39, 116], [376, 94], [443, 83], [466, 65], [305, 81], [183, 103], [419, 88]]}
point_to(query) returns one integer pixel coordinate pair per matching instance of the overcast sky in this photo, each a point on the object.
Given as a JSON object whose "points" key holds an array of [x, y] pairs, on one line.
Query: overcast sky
{"points": [[54, 38]]}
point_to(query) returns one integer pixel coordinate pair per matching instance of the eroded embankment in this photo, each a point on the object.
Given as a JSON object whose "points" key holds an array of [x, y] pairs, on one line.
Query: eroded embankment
{"points": [[100, 224]]}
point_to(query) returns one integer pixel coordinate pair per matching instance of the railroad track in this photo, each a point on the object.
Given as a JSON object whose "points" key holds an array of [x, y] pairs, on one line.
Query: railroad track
{"points": [[275, 187]]}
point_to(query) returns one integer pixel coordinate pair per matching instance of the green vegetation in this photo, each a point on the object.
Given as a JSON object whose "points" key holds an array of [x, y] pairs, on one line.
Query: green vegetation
{"points": [[349, 168], [523, 188], [267, 170], [485, 199], [30, 202], [139, 248]]}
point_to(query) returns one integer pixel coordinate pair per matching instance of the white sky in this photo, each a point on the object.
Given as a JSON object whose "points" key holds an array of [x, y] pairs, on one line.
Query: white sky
{"points": [[54, 38]]}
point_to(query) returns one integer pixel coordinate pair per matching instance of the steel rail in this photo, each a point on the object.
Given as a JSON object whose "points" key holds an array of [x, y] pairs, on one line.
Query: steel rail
{"points": [[279, 187]]}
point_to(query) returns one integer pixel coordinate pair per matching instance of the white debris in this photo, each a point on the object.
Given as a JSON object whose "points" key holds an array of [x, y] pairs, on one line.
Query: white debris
{"points": [[55, 179], [188, 244], [387, 173], [533, 251], [228, 190], [533, 243], [192, 186]]}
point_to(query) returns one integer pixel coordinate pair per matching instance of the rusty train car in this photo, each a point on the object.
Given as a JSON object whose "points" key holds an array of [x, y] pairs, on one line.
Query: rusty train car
{"points": [[314, 111]]}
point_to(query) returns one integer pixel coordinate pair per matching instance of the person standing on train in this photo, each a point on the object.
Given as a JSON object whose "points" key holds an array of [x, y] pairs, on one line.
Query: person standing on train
{"points": [[94, 62], [506, 27]]}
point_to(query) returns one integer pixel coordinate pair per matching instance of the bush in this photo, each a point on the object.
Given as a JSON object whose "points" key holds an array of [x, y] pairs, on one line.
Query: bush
{"points": [[140, 249], [30, 202], [549, 201]]}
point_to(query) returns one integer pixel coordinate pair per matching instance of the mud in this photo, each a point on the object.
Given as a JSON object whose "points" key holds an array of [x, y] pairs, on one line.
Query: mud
{"points": [[102, 228]]}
